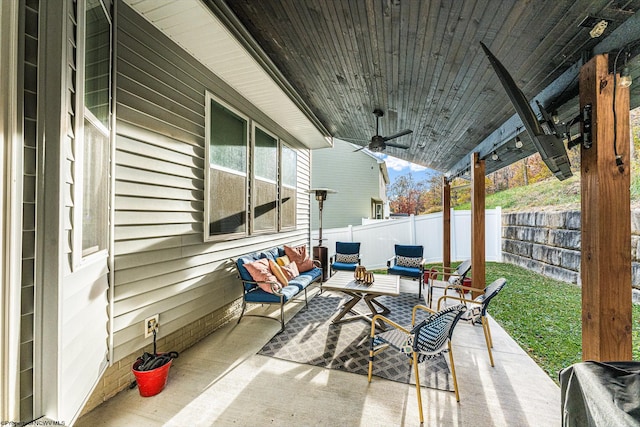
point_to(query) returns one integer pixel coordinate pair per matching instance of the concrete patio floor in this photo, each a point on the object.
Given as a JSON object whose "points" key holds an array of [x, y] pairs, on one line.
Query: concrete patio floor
{"points": [[221, 381]]}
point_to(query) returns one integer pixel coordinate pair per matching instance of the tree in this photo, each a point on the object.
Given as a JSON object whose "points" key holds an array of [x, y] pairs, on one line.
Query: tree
{"points": [[406, 195]]}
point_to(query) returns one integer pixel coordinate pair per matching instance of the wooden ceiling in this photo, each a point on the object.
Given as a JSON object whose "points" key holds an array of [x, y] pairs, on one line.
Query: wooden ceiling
{"points": [[421, 63]]}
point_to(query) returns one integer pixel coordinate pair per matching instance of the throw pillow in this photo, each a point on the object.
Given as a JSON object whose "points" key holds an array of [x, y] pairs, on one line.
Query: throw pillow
{"points": [[347, 258], [298, 254], [407, 261], [291, 270], [261, 273], [277, 271], [283, 260]]}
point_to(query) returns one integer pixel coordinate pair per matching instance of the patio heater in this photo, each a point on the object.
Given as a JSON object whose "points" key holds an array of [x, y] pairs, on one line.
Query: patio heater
{"points": [[320, 252]]}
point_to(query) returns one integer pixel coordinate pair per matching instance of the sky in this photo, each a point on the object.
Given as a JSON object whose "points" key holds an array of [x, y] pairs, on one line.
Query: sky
{"points": [[397, 167]]}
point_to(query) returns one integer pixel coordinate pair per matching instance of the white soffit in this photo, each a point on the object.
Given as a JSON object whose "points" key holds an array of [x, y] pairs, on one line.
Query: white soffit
{"points": [[196, 29]]}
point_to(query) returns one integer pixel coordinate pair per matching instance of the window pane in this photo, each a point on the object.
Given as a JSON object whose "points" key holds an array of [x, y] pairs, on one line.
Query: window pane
{"points": [[266, 156], [228, 139], [265, 209], [289, 166], [95, 208], [288, 207], [97, 79], [227, 202], [228, 171], [289, 187], [95, 142]]}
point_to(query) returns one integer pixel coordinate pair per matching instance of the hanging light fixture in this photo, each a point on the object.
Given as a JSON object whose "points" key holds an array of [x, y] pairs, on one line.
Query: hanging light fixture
{"points": [[494, 156], [518, 142]]}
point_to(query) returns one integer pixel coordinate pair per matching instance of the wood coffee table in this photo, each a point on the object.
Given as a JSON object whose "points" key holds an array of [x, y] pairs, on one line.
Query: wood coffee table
{"points": [[344, 281]]}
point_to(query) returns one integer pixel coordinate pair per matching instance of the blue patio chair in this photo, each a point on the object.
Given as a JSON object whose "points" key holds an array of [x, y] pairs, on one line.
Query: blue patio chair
{"points": [[420, 342], [408, 262], [346, 258]]}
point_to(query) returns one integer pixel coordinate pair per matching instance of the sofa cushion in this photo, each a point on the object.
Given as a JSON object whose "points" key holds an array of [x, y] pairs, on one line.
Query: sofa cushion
{"points": [[290, 270], [298, 254], [277, 271], [242, 270], [271, 253], [260, 296], [306, 278], [283, 260], [260, 272]]}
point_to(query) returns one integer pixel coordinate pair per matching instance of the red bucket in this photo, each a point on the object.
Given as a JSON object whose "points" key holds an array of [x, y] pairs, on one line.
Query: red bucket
{"points": [[151, 382]]}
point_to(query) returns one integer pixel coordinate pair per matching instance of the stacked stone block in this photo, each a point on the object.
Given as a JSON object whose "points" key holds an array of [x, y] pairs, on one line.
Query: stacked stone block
{"points": [[549, 243]]}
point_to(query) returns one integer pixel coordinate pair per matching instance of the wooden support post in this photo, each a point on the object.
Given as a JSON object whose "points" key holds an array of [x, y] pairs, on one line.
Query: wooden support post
{"points": [[606, 219], [446, 222], [477, 222]]}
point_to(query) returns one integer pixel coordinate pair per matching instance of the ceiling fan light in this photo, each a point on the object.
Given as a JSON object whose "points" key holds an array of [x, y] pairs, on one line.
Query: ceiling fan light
{"points": [[625, 78], [518, 142]]}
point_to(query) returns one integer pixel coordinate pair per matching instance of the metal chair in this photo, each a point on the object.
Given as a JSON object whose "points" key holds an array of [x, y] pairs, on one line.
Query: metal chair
{"points": [[346, 258], [424, 341], [479, 311], [408, 262], [455, 277]]}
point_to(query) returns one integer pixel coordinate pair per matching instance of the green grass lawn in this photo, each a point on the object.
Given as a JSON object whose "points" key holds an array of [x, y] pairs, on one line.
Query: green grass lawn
{"points": [[544, 316]]}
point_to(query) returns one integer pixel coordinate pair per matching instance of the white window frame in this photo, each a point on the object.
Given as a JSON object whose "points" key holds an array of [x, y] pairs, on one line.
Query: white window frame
{"points": [[253, 179], [82, 113], [282, 185], [207, 179]]}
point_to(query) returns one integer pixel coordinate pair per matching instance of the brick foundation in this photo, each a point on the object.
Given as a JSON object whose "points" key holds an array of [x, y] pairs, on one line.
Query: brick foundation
{"points": [[118, 377]]}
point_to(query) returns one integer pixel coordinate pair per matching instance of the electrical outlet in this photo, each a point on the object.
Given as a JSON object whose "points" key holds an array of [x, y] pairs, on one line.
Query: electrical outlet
{"points": [[151, 324]]}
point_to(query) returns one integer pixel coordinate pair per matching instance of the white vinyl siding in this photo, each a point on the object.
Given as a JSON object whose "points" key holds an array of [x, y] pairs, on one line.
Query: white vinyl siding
{"points": [[162, 264], [332, 168]]}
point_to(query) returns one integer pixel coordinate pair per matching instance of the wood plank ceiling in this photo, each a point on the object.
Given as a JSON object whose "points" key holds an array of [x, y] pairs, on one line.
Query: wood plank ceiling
{"points": [[421, 63]]}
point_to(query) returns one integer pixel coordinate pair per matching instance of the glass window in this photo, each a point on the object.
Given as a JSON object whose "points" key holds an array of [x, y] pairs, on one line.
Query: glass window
{"points": [[96, 133], [289, 168], [265, 189], [228, 144], [251, 181]]}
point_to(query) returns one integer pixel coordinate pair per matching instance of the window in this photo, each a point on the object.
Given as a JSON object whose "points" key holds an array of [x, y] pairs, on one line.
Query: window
{"points": [[228, 147], [289, 187], [251, 180], [265, 185], [378, 212], [92, 162]]}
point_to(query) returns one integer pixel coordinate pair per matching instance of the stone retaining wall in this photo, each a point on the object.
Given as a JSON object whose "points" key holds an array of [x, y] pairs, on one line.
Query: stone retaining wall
{"points": [[549, 243]]}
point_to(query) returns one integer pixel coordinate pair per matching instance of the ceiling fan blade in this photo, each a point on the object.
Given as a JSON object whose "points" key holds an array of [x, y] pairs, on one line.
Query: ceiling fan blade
{"points": [[361, 148], [352, 139], [398, 135], [391, 144]]}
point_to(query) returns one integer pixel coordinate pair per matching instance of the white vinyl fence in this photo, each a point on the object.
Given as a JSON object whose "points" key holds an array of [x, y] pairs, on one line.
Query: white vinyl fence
{"points": [[377, 238]]}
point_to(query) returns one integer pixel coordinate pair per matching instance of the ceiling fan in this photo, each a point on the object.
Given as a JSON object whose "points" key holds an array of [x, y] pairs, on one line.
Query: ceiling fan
{"points": [[379, 143]]}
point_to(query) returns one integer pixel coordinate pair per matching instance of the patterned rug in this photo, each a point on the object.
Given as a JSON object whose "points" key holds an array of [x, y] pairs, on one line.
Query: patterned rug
{"points": [[311, 338]]}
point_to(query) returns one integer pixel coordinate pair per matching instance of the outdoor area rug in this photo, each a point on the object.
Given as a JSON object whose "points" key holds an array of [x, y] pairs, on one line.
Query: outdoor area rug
{"points": [[311, 338]]}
